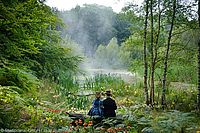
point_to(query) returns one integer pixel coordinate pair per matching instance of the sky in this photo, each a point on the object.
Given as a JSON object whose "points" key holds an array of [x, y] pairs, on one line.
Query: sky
{"points": [[116, 5]]}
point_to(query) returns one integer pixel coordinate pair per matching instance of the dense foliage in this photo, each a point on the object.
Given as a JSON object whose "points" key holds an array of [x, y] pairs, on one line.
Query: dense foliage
{"points": [[182, 56], [162, 40], [30, 50]]}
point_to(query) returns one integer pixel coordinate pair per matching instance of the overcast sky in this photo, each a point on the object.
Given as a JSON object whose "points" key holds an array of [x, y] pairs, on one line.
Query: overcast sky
{"points": [[68, 4]]}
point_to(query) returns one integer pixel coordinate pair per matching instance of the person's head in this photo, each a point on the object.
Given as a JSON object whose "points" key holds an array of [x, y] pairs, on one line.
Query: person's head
{"points": [[108, 93], [98, 94]]}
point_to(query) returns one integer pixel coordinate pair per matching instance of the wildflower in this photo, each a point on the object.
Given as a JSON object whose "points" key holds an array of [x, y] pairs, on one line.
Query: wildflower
{"points": [[109, 130], [129, 127], [90, 123], [56, 96], [49, 109], [76, 122], [119, 129], [80, 121], [48, 118], [49, 121], [85, 124], [56, 111]]}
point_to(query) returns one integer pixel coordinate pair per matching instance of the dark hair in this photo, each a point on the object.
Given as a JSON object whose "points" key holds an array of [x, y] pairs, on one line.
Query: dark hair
{"points": [[108, 93], [98, 94]]}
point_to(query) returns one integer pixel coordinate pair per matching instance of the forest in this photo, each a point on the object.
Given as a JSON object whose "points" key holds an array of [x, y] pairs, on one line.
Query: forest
{"points": [[53, 62]]}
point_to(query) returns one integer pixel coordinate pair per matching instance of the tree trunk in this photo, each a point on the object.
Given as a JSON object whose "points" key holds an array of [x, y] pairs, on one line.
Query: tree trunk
{"points": [[152, 57], [163, 98], [145, 55], [198, 95], [157, 39]]}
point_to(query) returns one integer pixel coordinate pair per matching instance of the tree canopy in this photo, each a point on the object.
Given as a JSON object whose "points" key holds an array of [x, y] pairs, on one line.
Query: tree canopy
{"points": [[30, 43], [92, 25]]}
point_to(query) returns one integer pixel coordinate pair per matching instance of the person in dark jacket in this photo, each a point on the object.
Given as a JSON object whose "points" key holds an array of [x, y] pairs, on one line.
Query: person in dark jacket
{"points": [[109, 105]]}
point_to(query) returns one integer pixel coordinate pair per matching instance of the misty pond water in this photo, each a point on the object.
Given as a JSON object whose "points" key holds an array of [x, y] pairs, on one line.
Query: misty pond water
{"points": [[123, 74]]}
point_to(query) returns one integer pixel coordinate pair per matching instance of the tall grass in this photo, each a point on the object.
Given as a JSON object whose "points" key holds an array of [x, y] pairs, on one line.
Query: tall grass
{"points": [[102, 82]]}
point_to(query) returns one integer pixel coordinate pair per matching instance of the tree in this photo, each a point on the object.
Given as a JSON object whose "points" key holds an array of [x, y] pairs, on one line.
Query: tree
{"points": [[198, 95], [152, 55], [145, 54], [180, 62], [122, 27], [92, 25], [112, 52], [163, 99], [30, 44], [156, 46], [100, 56], [112, 55]]}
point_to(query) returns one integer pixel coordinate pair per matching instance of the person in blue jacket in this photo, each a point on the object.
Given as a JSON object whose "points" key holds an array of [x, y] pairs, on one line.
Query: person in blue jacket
{"points": [[97, 106]]}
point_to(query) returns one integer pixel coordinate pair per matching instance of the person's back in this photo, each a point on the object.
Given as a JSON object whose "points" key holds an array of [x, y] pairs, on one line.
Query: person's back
{"points": [[109, 106], [97, 104]]}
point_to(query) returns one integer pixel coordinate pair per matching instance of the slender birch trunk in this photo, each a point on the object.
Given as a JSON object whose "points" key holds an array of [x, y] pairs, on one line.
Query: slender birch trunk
{"points": [[152, 57], [157, 38], [163, 98], [145, 55], [198, 95]]}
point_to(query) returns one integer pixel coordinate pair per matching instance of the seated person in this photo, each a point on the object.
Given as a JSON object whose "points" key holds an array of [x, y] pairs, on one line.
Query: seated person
{"points": [[97, 106], [109, 105]]}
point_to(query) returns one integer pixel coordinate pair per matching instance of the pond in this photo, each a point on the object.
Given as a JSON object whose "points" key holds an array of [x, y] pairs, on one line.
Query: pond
{"points": [[127, 76]]}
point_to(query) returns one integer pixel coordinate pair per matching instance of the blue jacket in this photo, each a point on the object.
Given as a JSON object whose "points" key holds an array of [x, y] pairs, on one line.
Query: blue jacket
{"points": [[97, 108]]}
